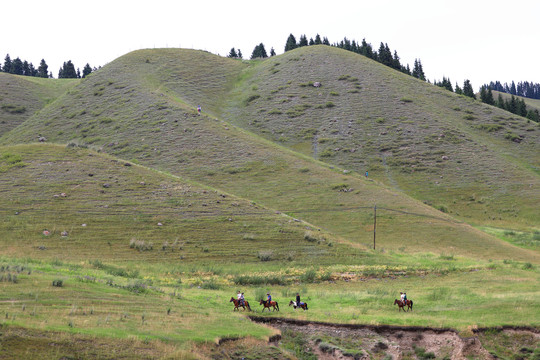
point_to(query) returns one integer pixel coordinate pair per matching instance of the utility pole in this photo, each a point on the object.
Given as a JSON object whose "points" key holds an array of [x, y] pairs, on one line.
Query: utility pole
{"points": [[374, 224]]}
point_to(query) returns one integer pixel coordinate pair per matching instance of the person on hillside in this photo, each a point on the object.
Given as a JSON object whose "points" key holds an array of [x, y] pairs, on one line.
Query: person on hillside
{"points": [[199, 109], [366, 173], [242, 300], [268, 298], [238, 295], [298, 303], [402, 297]]}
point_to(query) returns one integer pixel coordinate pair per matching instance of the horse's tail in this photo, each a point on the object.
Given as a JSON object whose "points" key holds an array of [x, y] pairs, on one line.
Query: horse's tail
{"points": [[306, 306], [411, 304], [249, 307], [277, 305]]}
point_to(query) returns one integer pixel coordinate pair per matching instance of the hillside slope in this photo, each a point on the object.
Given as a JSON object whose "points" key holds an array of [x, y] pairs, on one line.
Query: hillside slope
{"points": [[95, 206], [476, 161], [126, 109], [22, 96]]}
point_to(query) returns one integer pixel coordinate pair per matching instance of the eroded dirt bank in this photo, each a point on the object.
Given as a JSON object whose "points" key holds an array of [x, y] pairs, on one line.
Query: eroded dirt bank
{"points": [[349, 341]]}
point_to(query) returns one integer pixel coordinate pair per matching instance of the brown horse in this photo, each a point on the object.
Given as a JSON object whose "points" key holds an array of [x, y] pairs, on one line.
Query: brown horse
{"points": [[267, 304], [237, 304], [303, 305], [402, 304]]}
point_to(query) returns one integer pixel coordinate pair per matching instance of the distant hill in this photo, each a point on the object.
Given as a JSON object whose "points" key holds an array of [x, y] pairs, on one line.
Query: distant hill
{"points": [[22, 96], [417, 138], [531, 103], [446, 150]]}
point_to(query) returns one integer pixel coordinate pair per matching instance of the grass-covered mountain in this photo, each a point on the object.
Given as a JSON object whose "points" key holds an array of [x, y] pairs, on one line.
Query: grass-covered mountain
{"points": [[22, 96], [475, 161], [141, 108], [127, 232]]}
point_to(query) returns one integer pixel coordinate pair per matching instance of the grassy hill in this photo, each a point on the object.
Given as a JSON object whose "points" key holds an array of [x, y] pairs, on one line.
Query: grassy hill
{"points": [[127, 114], [133, 225], [446, 150], [531, 103], [22, 96]]}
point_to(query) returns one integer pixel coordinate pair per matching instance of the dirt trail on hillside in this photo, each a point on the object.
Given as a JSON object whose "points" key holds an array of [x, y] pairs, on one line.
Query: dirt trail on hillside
{"points": [[380, 341]]}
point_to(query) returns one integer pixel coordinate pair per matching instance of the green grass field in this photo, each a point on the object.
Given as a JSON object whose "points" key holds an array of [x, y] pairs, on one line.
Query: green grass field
{"points": [[138, 219]]}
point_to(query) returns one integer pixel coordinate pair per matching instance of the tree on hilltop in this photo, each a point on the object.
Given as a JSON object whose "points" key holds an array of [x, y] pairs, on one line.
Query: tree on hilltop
{"points": [[239, 54], [67, 71], [232, 54], [303, 41], [259, 52], [418, 71], [42, 70], [291, 43], [17, 67], [468, 89], [87, 70], [272, 52], [318, 40], [7, 64]]}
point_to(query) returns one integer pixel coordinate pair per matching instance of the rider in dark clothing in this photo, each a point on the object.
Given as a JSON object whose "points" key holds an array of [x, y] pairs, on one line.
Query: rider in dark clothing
{"points": [[297, 299]]}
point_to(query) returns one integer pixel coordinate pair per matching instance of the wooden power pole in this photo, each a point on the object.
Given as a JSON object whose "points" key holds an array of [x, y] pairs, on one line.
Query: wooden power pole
{"points": [[374, 225]]}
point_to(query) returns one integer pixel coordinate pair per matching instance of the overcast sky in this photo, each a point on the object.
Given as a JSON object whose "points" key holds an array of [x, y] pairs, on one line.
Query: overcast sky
{"points": [[480, 40]]}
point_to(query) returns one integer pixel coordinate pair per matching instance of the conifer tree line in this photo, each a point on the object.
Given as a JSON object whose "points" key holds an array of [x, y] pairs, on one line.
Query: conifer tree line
{"points": [[514, 105], [384, 55], [524, 88], [20, 67]]}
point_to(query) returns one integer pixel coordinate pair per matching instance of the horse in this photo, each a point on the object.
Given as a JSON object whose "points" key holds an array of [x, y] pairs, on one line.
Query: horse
{"points": [[302, 305], [237, 304], [267, 304], [401, 304]]}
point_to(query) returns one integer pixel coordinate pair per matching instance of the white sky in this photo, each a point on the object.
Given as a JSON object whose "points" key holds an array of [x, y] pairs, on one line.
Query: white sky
{"points": [[480, 40]]}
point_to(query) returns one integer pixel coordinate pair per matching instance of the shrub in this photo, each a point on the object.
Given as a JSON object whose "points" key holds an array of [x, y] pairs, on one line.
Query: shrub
{"points": [[309, 276], [14, 109], [265, 255], [252, 98], [141, 245], [329, 104], [58, 283]]}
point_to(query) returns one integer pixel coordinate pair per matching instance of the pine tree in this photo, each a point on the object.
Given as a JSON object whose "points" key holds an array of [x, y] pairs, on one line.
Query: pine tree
{"points": [[17, 67], [26, 69], [67, 71], [291, 43], [259, 52], [418, 71], [303, 41], [325, 41], [311, 42], [87, 70], [272, 51], [239, 54], [458, 90], [7, 64], [318, 40], [42, 69], [468, 89], [232, 54]]}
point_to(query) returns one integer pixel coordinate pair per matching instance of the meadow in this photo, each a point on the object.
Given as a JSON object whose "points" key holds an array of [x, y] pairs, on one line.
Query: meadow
{"points": [[126, 233]]}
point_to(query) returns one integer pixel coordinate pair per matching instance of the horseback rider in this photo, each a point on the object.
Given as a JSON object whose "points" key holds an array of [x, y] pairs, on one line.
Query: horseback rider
{"points": [[298, 303], [402, 298], [269, 298], [242, 300]]}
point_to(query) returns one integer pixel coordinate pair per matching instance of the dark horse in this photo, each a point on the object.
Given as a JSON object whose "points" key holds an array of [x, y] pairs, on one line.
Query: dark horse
{"points": [[237, 304], [302, 305], [402, 304], [267, 304]]}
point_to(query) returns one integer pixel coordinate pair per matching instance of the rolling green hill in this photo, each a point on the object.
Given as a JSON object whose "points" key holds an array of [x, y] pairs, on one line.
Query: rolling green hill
{"points": [[128, 110], [126, 233], [22, 96], [446, 150], [531, 103]]}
